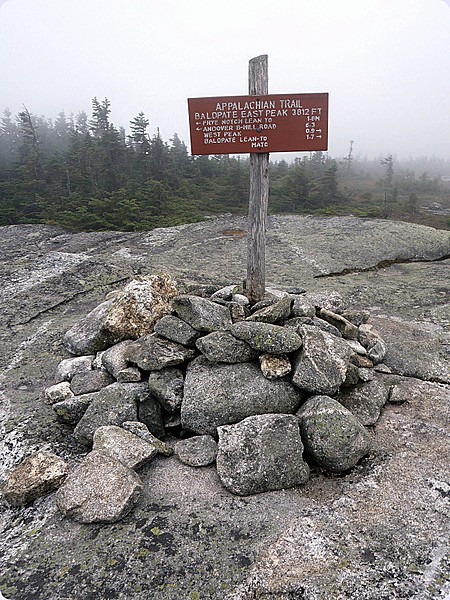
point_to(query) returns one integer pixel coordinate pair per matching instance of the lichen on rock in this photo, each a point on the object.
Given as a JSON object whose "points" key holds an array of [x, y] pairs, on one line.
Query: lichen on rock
{"points": [[260, 454], [130, 314], [37, 475], [333, 436]]}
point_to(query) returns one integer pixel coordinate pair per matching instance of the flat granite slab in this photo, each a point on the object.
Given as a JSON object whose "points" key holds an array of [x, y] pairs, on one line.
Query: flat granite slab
{"points": [[380, 531]]}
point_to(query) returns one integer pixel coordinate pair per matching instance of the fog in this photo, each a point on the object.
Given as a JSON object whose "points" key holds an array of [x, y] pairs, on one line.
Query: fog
{"points": [[385, 63]]}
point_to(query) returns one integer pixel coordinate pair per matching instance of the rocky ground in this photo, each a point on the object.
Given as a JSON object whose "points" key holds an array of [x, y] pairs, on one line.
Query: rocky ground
{"points": [[381, 531]]}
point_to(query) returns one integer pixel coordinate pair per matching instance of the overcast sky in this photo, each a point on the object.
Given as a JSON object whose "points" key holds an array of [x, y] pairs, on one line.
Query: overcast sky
{"points": [[385, 63]]}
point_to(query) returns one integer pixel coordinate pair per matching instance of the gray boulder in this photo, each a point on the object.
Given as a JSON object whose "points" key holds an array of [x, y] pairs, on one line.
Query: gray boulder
{"points": [[69, 367], [202, 314], [176, 330], [348, 330], [114, 361], [238, 311], [320, 366], [101, 490], [167, 387], [366, 374], [111, 406], [275, 294], [382, 368], [141, 430], [260, 454], [266, 301], [152, 353], [130, 314], [129, 375], [372, 341], [36, 476], [275, 313], [414, 349], [325, 326], [90, 335], [240, 299], [221, 346], [197, 451], [333, 437], [297, 322], [331, 300], [225, 293], [114, 358], [271, 296], [150, 413], [220, 394], [352, 376], [357, 347], [90, 381], [266, 337], [57, 393], [72, 409], [302, 308], [123, 445], [365, 400]]}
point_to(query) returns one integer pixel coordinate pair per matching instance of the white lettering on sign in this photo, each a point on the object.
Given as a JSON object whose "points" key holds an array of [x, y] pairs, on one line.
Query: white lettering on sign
{"points": [[286, 103], [253, 138], [258, 104], [276, 113], [220, 141]]}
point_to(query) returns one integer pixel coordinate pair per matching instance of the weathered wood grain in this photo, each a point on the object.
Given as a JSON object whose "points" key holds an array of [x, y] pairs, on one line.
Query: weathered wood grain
{"points": [[259, 195]]}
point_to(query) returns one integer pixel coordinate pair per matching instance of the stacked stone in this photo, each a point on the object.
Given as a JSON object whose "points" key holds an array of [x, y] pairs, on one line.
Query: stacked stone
{"points": [[255, 388]]}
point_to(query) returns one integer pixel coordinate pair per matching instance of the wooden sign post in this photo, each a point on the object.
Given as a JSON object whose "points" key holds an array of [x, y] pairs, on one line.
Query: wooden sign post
{"points": [[258, 124], [258, 83]]}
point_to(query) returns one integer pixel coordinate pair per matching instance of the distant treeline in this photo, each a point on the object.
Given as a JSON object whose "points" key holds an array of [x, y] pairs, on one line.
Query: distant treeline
{"points": [[85, 174]]}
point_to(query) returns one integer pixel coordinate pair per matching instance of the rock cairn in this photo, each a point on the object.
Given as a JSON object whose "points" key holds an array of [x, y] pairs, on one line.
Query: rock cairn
{"points": [[263, 390]]}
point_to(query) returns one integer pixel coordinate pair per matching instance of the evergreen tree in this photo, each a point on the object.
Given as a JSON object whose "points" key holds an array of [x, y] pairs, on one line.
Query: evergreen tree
{"points": [[412, 205], [179, 156], [290, 193], [29, 154], [62, 131], [109, 154], [81, 123], [9, 142], [388, 163], [315, 165], [21, 200], [390, 191], [324, 191], [80, 159], [329, 184], [158, 158], [139, 138], [99, 124], [140, 143]]}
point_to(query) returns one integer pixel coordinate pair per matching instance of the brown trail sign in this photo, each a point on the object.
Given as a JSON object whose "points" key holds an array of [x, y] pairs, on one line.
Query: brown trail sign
{"points": [[258, 124], [266, 123]]}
